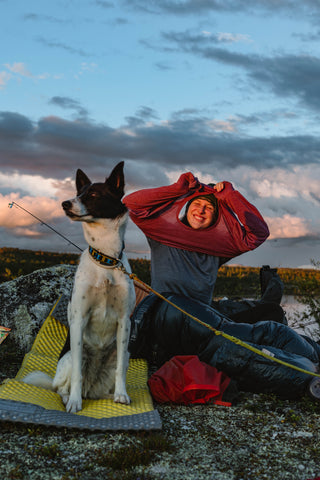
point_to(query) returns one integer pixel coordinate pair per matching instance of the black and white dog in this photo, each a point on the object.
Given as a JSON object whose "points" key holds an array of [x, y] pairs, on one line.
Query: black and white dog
{"points": [[102, 299]]}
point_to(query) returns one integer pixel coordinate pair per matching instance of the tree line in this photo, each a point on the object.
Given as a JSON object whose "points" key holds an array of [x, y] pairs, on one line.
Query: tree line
{"points": [[233, 281]]}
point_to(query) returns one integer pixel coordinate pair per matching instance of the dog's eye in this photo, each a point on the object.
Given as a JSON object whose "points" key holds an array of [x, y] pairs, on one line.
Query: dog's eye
{"points": [[93, 195]]}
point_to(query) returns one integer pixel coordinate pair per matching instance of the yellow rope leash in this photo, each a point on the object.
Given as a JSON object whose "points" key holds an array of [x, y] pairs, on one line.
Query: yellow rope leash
{"points": [[223, 334]]}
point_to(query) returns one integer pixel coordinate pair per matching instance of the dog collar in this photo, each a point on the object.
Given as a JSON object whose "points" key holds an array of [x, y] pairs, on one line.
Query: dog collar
{"points": [[104, 260]]}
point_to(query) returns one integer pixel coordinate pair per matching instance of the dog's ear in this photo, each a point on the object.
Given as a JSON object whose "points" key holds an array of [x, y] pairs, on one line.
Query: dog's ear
{"points": [[115, 181], [81, 180]]}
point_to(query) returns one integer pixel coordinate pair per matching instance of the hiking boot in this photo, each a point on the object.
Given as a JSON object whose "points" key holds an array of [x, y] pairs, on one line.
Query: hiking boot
{"points": [[314, 389], [271, 285], [266, 273]]}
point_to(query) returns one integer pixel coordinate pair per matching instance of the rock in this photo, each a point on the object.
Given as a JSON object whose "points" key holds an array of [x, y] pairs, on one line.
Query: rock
{"points": [[26, 301]]}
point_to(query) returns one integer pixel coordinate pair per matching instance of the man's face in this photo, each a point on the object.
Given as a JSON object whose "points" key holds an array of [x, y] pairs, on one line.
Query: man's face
{"points": [[200, 214]]}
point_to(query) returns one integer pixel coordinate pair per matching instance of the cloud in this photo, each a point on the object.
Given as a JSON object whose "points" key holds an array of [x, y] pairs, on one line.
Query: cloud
{"points": [[288, 226], [46, 18], [18, 68], [286, 200], [233, 37], [146, 113], [280, 175], [104, 4], [54, 232], [226, 37], [276, 174], [42, 207], [285, 75], [33, 185], [308, 37], [62, 46], [53, 147], [202, 7], [164, 66], [14, 125], [4, 79], [88, 67], [300, 182], [38, 223], [16, 71], [143, 114], [120, 21], [263, 117], [68, 103]]}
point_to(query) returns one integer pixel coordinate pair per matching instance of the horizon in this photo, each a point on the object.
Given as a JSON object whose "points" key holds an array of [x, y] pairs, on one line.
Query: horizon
{"points": [[232, 265]]}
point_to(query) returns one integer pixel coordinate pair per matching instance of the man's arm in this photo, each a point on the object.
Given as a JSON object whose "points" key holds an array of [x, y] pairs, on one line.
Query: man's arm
{"points": [[151, 201], [252, 230]]}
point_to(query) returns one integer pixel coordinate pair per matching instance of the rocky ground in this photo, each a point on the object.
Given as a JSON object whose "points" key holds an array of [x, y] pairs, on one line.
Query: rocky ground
{"points": [[259, 437]]}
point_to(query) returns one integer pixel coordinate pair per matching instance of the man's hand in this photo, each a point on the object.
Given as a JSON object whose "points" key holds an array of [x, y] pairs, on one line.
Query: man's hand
{"points": [[219, 186], [188, 181]]}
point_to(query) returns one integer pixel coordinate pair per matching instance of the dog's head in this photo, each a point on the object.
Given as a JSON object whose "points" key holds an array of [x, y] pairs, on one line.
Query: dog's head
{"points": [[97, 200]]}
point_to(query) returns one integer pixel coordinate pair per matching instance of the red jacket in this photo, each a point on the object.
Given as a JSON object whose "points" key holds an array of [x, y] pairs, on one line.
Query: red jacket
{"points": [[238, 229]]}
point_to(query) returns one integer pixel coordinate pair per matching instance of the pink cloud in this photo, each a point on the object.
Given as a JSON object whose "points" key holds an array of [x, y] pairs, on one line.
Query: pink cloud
{"points": [[287, 226], [44, 208]]}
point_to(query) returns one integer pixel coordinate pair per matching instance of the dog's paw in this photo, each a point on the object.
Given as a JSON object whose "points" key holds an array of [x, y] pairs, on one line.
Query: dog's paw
{"points": [[64, 398], [74, 405], [122, 398]]}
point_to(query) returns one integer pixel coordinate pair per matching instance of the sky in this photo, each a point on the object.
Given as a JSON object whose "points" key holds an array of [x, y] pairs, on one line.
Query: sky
{"points": [[226, 89]]}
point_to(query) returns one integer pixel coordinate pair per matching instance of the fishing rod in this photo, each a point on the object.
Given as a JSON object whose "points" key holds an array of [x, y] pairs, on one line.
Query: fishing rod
{"points": [[15, 204]]}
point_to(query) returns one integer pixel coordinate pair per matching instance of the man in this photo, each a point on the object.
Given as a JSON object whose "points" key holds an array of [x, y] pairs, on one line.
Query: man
{"points": [[192, 228]]}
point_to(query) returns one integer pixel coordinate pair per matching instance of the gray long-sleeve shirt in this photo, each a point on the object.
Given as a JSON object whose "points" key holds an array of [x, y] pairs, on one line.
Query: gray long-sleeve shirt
{"points": [[184, 272]]}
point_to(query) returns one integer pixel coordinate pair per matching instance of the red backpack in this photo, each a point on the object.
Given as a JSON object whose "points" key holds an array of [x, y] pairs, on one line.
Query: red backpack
{"points": [[185, 379]]}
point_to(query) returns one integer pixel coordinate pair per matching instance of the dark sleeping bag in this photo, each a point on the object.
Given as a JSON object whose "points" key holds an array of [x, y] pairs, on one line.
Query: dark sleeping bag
{"points": [[160, 331]]}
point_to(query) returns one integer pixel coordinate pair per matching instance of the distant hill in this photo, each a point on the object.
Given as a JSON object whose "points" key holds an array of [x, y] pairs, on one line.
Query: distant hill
{"points": [[233, 281]]}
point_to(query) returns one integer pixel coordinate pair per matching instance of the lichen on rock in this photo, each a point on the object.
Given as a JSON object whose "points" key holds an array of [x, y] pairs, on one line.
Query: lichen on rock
{"points": [[26, 301]]}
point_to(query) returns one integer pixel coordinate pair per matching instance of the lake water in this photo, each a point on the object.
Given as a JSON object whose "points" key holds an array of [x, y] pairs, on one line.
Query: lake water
{"points": [[292, 307]]}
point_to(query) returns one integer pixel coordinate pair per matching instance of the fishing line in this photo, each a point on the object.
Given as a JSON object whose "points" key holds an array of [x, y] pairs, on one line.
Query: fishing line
{"points": [[10, 205]]}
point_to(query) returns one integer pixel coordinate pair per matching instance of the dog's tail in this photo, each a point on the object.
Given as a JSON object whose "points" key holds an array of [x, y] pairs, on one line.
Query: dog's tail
{"points": [[39, 379]]}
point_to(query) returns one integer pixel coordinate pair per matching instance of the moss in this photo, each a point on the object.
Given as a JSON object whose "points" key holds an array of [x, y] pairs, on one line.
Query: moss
{"points": [[50, 451], [141, 452], [15, 473]]}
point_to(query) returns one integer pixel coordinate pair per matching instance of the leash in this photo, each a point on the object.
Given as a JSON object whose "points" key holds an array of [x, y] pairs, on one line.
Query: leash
{"points": [[119, 265], [231, 338]]}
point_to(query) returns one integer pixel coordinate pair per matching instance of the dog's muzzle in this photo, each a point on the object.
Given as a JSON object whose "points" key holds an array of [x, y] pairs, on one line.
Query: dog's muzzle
{"points": [[66, 205]]}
